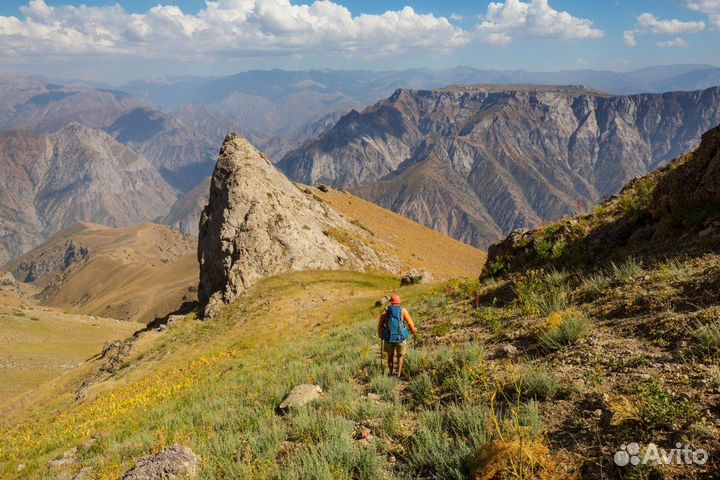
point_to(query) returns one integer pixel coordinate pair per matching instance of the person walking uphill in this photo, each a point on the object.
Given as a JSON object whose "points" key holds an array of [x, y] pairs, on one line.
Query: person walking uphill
{"points": [[393, 330]]}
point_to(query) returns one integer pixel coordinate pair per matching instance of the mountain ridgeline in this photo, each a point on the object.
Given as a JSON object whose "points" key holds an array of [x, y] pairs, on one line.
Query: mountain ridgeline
{"points": [[476, 162]]}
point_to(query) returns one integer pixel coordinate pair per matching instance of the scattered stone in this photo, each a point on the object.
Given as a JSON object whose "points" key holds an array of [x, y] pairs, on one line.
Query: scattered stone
{"points": [[323, 188], [68, 458], [170, 463], [510, 350], [300, 396], [20, 467], [416, 276]]}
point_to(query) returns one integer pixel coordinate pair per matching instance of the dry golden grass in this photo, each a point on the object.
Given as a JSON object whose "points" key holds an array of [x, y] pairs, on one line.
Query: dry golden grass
{"points": [[415, 245], [39, 344], [134, 273]]}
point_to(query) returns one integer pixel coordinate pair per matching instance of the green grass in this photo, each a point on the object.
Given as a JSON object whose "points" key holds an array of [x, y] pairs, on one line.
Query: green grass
{"points": [[573, 327], [596, 283], [626, 271], [537, 384], [543, 292], [706, 339], [384, 385], [659, 410]]}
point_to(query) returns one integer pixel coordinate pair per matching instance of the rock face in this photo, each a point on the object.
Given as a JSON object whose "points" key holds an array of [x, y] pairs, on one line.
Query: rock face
{"points": [[257, 224], [478, 162], [176, 461], [695, 184], [78, 174]]}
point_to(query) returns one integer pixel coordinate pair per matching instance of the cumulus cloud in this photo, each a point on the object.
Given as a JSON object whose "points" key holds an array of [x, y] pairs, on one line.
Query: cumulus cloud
{"points": [[676, 42], [237, 28], [629, 38], [649, 23], [531, 19], [711, 8], [226, 27]]}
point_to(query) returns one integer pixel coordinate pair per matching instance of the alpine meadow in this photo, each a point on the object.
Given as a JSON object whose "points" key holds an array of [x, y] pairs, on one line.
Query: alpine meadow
{"points": [[357, 240]]}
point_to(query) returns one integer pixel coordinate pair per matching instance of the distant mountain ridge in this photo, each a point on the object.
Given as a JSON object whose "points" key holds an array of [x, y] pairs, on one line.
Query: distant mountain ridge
{"points": [[478, 161], [52, 181]]}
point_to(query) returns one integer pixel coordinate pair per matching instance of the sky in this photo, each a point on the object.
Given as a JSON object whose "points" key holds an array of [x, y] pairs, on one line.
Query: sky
{"points": [[119, 40]]}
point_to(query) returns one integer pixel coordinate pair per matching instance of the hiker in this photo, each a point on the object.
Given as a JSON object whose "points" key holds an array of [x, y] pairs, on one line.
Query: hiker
{"points": [[393, 330]]}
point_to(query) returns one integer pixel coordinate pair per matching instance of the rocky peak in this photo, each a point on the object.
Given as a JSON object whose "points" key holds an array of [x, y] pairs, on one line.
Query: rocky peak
{"points": [[257, 224]]}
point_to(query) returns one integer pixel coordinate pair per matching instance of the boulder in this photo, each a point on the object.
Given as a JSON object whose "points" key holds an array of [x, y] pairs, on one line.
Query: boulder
{"points": [[300, 396], [258, 223], [416, 276], [173, 462]]}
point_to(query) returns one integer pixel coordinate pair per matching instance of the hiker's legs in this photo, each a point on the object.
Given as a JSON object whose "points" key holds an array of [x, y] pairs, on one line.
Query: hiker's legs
{"points": [[401, 360], [390, 351], [401, 350]]}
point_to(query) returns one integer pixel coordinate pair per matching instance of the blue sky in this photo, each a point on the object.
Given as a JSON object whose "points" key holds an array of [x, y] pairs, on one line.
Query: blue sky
{"points": [[115, 41]]}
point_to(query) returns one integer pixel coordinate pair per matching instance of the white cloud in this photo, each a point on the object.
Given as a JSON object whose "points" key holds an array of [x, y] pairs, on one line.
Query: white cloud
{"points": [[629, 38], [677, 42], [531, 19], [711, 8], [455, 17], [649, 22], [224, 27]]}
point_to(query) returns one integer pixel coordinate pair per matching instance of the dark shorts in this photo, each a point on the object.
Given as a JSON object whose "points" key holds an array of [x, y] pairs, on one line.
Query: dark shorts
{"points": [[399, 349]]}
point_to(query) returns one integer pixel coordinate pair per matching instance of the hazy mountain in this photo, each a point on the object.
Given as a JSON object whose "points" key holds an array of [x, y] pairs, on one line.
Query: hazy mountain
{"points": [[32, 104], [476, 161], [182, 155], [52, 181]]}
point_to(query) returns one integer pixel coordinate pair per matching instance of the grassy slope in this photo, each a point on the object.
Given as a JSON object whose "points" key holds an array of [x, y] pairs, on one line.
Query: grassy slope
{"points": [[415, 245], [38, 344], [134, 273]]}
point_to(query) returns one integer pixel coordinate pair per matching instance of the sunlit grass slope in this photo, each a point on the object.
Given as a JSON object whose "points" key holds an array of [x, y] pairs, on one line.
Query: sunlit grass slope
{"points": [[415, 245], [38, 344]]}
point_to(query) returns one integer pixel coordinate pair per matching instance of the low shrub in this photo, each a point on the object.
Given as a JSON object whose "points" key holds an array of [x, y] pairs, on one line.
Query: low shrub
{"points": [[657, 409], [384, 385], [543, 293], [596, 283], [706, 339], [538, 384], [562, 329], [627, 270], [422, 390]]}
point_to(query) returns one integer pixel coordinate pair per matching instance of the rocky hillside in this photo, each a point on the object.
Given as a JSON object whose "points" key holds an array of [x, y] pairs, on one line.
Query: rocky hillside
{"points": [[139, 273], [675, 209], [511, 156], [52, 181]]}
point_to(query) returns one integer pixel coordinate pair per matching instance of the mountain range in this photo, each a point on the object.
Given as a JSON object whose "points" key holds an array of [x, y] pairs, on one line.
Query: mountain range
{"points": [[172, 128], [476, 162]]}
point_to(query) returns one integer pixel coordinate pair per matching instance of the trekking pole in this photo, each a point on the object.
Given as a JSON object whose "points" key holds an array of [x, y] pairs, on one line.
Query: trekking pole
{"points": [[382, 357]]}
